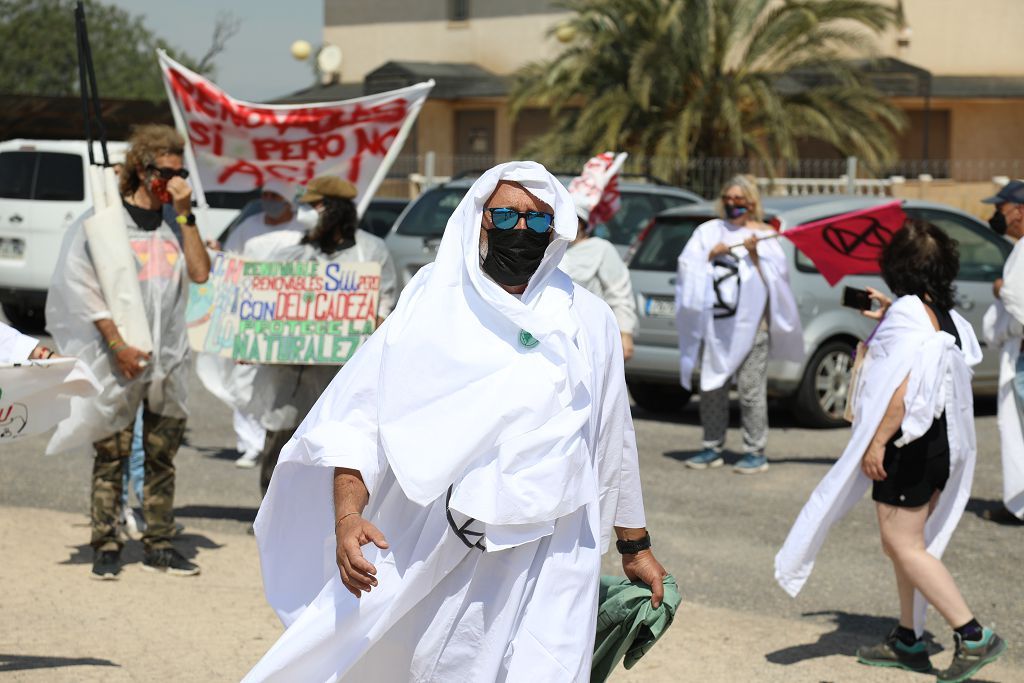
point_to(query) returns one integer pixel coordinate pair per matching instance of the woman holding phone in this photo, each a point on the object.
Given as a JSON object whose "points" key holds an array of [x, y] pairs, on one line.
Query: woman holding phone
{"points": [[913, 442]]}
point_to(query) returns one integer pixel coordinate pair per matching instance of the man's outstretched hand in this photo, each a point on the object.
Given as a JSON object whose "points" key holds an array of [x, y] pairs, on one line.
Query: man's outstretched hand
{"points": [[352, 533], [643, 566]]}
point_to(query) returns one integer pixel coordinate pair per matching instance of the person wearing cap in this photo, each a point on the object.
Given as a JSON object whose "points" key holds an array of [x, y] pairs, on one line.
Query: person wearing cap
{"points": [[442, 511], [223, 378], [594, 263], [283, 394], [1004, 329]]}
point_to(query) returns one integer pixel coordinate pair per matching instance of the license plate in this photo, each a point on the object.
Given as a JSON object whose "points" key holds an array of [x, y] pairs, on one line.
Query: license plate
{"points": [[12, 248], [660, 308]]}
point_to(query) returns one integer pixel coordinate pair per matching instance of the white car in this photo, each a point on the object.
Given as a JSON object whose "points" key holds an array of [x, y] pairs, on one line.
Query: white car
{"points": [[43, 190]]}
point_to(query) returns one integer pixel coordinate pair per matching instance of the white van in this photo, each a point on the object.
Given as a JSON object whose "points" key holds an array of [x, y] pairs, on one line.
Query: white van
{"points": [[43, 190]]}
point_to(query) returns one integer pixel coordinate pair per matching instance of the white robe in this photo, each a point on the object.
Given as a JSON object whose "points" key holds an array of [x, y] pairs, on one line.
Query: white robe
{"points": [[596, 264], [905, 344], [75, 302], [444, 611], [728, 340], [15, 347]]}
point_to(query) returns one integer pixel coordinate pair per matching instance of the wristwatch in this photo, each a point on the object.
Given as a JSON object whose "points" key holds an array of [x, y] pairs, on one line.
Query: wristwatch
{"points": [[186, 219], [633, 547]]}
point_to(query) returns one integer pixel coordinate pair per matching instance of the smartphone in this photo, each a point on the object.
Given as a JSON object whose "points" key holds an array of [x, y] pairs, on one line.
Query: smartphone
{"points": [[856, 298]]}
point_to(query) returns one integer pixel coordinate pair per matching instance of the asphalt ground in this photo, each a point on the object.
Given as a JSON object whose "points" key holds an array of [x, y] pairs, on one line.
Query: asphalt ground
{"points": [[716, 531]]}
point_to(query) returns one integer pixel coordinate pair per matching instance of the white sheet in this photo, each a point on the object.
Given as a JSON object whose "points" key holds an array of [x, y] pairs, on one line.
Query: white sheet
{"points": [[905, 344]]}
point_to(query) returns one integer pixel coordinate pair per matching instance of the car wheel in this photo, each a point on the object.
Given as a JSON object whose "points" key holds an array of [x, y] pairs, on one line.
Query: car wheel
{"points": [[659, 398], [821, 399], [26, 319]]}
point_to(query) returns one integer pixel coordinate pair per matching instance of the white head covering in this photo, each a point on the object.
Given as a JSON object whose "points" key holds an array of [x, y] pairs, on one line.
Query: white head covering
{"points": [[583, 208], [466, 398], [280, 187]]}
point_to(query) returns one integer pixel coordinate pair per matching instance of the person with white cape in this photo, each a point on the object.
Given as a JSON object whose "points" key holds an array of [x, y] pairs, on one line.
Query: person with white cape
{"points": [[78, 311], [734, 311], [913, 441], [282, 394], [232, 382], [1004, 330], [441, 513]]}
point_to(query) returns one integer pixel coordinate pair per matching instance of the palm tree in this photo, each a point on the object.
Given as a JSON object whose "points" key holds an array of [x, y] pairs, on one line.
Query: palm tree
{"points": [[675, 80]]}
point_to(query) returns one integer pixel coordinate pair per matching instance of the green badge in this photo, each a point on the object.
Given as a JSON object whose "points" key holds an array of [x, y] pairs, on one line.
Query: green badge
{"points": [[527, 339]]}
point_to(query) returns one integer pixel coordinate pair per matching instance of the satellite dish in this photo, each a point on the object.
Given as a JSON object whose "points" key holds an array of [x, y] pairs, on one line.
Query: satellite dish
{"points": [[329, 60]]}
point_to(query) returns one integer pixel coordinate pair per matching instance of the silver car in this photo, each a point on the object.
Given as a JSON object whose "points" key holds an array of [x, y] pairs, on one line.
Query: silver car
{"points": [[416, 234], [816, 390]]}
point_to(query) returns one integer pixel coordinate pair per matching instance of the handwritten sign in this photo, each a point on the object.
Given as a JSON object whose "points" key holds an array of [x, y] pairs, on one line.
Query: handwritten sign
{"points": [[294, 312], [36, 395], [237, 146]]}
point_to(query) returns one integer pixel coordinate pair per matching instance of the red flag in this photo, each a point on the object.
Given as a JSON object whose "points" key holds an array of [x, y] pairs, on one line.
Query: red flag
{"points": [[848, 244]]}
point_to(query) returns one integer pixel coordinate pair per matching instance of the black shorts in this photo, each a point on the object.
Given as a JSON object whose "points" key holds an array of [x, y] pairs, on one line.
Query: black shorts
{"points": [[915, 472]]}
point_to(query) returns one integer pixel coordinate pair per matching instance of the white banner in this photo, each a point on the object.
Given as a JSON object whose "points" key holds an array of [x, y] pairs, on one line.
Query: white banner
{"points": [[237, 146], [596, 190], [36, 395]]}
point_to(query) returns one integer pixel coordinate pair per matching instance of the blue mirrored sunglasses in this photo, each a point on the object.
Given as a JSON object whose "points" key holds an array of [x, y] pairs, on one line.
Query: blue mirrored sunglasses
{"points": [[506, 218]]}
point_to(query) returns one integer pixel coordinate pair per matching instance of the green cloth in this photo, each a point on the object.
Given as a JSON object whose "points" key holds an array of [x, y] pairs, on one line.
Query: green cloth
{"points": [[627, 625]]}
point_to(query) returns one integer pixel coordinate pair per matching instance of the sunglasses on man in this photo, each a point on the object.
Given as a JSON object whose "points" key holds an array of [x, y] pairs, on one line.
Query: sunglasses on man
{"points": [[168, 173], [506, 218]]}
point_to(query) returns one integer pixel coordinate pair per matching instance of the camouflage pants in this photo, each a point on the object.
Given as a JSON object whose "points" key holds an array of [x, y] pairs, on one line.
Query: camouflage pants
{"points": [[161, 437], [272, 446]]}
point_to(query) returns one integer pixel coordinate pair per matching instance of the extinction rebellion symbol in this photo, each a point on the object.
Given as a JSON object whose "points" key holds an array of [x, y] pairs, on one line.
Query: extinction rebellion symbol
{"points": [[863, 245]]}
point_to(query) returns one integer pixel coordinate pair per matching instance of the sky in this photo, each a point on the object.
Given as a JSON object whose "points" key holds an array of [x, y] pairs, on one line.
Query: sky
{"points": [[257, 64]]}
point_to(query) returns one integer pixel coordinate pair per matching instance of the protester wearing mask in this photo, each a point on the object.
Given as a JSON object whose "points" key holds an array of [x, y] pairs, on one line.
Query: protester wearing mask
{"points": [[79, 318], [283, 394], [484, 432], [230, 382], [594, 263], [1004, 329], [734, 311]]}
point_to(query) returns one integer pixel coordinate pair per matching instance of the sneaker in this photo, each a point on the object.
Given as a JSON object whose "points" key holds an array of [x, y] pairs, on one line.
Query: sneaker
{"points": [[893, 652], [134, 524], [106, 565], [751, 463], [708, 457], [971, 655], [169, 561], [248, 460]]}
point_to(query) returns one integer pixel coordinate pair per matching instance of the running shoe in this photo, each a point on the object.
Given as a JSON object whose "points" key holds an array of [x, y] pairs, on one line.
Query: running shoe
{"points": [[708, 457], [751, 463], [893, 652], [971, 655]]}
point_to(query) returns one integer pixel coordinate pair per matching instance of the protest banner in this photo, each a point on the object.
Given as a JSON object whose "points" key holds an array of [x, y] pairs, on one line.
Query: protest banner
{"points": [[236, 146], [36, 395], [596, 189], [293, 312]]}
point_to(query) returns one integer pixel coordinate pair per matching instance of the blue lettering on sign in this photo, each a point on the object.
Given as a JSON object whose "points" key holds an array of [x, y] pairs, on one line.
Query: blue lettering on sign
{"points": [[256, 310], [346, 281]]}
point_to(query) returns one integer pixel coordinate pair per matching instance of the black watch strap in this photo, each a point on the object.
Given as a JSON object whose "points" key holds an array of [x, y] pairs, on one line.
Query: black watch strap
{"points": [[632, 547]]}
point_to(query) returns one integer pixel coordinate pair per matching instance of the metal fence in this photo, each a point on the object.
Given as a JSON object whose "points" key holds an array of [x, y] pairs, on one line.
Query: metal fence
{"points": [[705, 176]]}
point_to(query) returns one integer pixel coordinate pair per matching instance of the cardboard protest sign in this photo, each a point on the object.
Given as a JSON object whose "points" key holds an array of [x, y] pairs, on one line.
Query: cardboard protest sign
{"points": [[236, 146], [293, 312], [36, 395]]}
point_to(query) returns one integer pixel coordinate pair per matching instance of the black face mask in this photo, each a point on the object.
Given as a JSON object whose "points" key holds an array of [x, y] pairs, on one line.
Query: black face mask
{"points": [[514, 255], [998, 222]]}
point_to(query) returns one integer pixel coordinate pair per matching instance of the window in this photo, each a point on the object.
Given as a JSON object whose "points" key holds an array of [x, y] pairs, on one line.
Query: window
{"points": [[661, 248], [982, 252], [17, 171], [636, 210], [430, 213], [60, 178], [458, 10]]}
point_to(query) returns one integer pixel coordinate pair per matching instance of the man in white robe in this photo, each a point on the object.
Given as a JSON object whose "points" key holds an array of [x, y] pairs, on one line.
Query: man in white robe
{"points": [[1004, 329], [479, 448]]}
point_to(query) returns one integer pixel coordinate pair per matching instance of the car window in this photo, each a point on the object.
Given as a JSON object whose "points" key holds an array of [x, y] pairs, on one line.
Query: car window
{"points": [[17, 170], [664, 242], [379, 218], [430, 213], [635, 210], [252, 208], [60, 178], [982, 252]]}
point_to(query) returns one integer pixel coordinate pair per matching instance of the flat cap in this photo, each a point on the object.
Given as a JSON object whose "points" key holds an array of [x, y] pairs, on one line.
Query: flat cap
{"points": [[328, 186]]}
